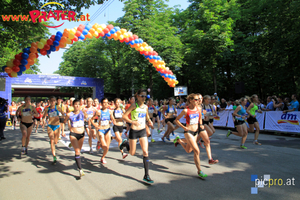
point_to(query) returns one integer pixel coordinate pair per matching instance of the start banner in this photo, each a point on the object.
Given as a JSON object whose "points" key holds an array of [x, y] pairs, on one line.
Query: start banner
{"points": [[284, 122]]}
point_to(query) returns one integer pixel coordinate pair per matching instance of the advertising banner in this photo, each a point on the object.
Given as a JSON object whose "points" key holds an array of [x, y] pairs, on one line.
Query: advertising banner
{"points": [[221, 118], [284, 122]]}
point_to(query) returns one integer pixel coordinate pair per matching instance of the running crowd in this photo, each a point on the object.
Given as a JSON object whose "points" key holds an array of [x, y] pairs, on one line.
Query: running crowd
{"points": [[138, 116]]}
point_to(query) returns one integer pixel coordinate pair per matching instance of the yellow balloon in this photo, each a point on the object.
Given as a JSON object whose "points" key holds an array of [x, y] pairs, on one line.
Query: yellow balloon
{"points": [[9, 64], [35, 60], [44, 41], [14, 74], [126, 35], [103, 26], [176, 82], [95, 34], [130, 33], [142, 48], [69, 41], [123, 30], [40, 45], [121, 37], [71, 35], [99, 29], [72, 31], [144, 44]]}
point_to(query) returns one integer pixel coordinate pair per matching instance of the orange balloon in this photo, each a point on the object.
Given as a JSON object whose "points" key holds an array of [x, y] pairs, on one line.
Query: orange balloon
{"points": [[32, 56], [8, 70], [66, 34], [57, 48], [92, 30], [30, 61], [61, 44], [63, 39], [33, 49], [34, 44], [89, 35], [27, 66]]}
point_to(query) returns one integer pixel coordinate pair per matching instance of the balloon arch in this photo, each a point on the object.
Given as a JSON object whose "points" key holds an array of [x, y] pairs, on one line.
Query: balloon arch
{"points": [[15, 67]]}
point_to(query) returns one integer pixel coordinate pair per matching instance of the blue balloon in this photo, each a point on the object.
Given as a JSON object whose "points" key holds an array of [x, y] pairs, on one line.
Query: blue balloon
{"points": [[81, 37], [127, 43], [19, 73], [57, 38], [85, 32], [26, 50], [151, 57], [52, 48], [58, 33], [88, 27], [117, 28], [148, 96], [155, 57], [3, 67], [55, 43], [112, 31], [141, 41], [48, 52], [22, 68], [108, 34], [39, 50], [25, 55], [24, 62], [131, 42], [159, 58]]}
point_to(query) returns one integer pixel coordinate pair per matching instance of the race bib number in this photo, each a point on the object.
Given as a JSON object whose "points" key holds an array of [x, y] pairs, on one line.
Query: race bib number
{"points": [[171, 110], [194, 119], [13, 112], [60, 114], [104, 122], [118, 114], [151, 110], [90, 114], [78, 124], [52, 114], [142, 118], [27, 113]]}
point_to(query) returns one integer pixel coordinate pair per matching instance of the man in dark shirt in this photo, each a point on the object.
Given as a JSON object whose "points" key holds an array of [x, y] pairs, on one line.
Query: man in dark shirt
{"points": [[223, 104]]}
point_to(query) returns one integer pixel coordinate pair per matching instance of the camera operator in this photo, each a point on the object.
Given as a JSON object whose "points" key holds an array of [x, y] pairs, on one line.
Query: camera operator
{"points": [[3, 117]]}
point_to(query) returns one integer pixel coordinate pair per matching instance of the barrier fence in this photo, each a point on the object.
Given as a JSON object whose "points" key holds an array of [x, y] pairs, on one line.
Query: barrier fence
{"points": [[270, 120]]}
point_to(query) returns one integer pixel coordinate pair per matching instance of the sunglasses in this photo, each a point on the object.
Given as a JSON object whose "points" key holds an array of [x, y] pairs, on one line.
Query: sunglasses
{"points": [[196, 99], [143, 96]]}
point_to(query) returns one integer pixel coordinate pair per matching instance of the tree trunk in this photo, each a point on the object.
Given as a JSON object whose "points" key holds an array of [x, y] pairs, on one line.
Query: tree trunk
{"points": [[215, 79], [151, 82]]}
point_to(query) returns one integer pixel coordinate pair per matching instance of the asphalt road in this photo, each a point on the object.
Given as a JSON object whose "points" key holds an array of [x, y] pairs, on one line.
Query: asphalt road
{"points": [[172, 169]]}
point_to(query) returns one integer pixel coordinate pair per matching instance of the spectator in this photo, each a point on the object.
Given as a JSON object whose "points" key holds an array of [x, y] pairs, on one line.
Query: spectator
{"points": [[294, 104], [217, 104], [270, 106], [279, 106], [248, 101], [223, 104], [229, 106], [182, 104], [216, 97], [260, 104], [287, 103], [177, 100], [236, 104]]}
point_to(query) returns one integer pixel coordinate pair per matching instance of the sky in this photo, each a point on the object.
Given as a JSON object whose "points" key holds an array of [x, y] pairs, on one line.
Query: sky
{"points": [[110, 11]]}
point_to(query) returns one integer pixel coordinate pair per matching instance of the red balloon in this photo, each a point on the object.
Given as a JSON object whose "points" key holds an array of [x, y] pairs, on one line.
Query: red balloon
{"points": [[43, 52], [36, 55], [146, 53], [102, 34], [110, 27], [163, 71], [18, 57], [126, 40], [131, 38], [135, 37], [106, 30], [122, 40], [46, 47], [16, 62], [16, 68], [49, 41], [80, 28], [10, 75], [78, 33], [52, 37], [75, 38], [155, 53]]}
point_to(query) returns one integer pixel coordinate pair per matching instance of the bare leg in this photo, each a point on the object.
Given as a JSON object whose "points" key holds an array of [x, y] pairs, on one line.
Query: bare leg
{"points": [[107, 141]]}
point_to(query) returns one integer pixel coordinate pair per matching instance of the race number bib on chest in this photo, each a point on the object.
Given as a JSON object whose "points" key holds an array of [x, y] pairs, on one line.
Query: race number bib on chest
{"points": [[194, 118], [118, 113], [52, 113], [90, 114], [78, 124], [104, 121], [26, 112], [151, 110], [171, 110], [142, 118]]}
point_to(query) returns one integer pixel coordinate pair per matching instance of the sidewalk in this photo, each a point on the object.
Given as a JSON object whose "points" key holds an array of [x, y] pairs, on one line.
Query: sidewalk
{"points": [[172, 169]]}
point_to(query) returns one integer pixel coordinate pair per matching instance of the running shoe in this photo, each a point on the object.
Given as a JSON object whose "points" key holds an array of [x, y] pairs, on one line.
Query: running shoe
{"points": [[3, 138], [212, 161], [173, 133], [257, 143], [202, 175], [175, 140], [98, 145], [125, 133], [243, 147], [81, 173], [168, 138], [26, 151], [148, 179], [158, 131], [54, 159], [103, 161], [70, 145], [163, 139], [91, 150], [23, 152], [59, 138], [124, 155], [121, 147], [228, 133], [152, 140]]}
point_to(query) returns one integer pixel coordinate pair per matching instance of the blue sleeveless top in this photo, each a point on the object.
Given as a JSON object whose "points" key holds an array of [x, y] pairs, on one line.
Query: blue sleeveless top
{"points": [[242, 112], [105, 117]]}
